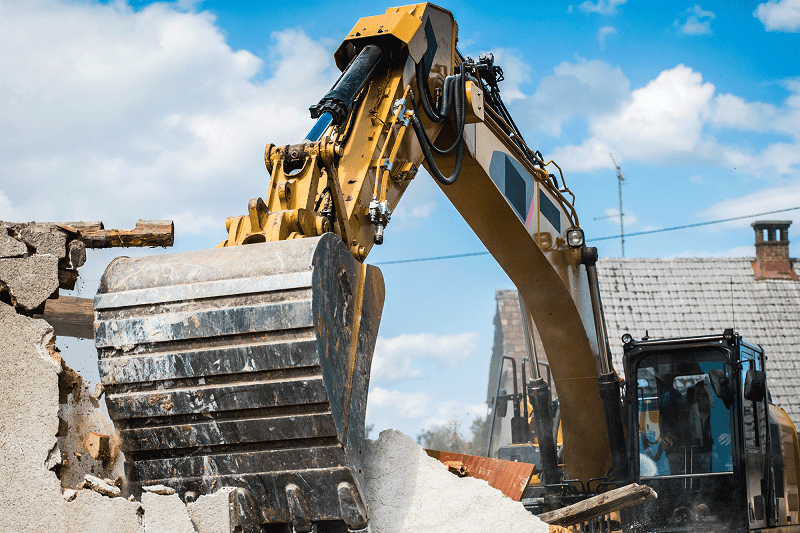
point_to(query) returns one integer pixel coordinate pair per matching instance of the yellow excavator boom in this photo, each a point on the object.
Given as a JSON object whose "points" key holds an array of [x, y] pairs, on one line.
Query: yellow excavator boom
{"points": [[249, 365]]}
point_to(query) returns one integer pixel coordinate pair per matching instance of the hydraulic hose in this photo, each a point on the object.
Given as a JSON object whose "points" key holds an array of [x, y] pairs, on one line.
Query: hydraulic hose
{"points": [[455, 86], [423, 89], [425, 144]]}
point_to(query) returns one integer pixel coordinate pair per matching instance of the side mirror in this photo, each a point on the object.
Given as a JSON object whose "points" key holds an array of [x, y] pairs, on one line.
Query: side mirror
{"points": [[721, 386], [755, 385], [501, 407]]}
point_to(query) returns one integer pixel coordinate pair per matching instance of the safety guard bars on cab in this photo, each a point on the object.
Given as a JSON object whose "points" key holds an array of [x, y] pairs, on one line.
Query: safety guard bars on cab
{"points": [[496, 393], [608, 381]]}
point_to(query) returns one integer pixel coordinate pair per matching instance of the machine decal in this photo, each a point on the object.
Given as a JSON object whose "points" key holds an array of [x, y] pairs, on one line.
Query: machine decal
{"points": [[430, 37], [515, 182], [550, 211]]}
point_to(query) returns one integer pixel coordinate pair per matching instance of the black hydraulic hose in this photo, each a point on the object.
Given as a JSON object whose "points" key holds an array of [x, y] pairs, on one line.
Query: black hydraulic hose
{"points": [[460, 99], [425, 98], [425, 143]]}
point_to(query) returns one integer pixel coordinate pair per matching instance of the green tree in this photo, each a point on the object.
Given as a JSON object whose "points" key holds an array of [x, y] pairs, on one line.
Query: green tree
{"points": [[447, 437]]}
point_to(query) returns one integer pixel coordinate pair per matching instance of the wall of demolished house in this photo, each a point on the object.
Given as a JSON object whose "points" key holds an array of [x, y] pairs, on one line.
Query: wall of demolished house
{"points": [[59, 456]]}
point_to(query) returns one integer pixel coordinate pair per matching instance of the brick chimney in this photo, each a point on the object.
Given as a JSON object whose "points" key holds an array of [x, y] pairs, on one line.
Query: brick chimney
{"points": [[772, 250]]}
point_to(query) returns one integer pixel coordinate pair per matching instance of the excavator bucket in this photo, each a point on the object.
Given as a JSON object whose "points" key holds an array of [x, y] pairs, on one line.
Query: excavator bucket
{"points": [[245, 367]]}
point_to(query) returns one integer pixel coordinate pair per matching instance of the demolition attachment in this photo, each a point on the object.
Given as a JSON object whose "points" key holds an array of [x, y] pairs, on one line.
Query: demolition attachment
{"points": [[248, 367]]}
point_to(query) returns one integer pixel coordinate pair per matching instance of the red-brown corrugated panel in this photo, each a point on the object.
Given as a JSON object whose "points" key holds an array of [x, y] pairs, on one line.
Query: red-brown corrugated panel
{"points": [[509, 477]]}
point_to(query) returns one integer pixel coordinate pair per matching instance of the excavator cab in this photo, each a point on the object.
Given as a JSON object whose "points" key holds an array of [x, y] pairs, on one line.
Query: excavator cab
{"points": [[703, 435]]}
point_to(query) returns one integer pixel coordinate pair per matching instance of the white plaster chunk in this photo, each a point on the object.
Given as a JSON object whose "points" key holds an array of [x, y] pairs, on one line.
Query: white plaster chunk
{"points": [[98, 485], [159, 489], [210, 513], [165, 514], [409, 492], [9, 246], [69, 494], [30, 279]]}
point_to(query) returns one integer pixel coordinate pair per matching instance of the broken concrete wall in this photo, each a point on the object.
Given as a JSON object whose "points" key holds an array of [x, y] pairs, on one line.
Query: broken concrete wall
{"points": [[52, 428], [31, 495]]}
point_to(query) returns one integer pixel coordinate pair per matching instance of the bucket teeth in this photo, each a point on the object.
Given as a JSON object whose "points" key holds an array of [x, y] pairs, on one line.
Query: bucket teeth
{"points": [[245, 367]]}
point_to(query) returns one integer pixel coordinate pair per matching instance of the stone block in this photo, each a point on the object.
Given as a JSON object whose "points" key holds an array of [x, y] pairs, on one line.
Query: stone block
{"points": [[30, 280], [9, 246]]}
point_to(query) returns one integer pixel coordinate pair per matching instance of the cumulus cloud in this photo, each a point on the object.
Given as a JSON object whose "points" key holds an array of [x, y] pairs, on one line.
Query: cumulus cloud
{"points": [[604, 32], [783, 15], [584, 88], [765, 200], [516, 73], [603, 7], [417, 410], [405, 357], [612, 216], [121, 114], [677, 116], [695, 21]]}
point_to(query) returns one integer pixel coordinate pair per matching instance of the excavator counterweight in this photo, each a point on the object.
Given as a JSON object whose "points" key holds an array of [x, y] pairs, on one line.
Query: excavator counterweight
{"points": [[244, 366]]}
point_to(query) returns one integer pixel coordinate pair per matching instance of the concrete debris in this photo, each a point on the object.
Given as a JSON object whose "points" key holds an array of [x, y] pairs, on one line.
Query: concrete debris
{"points": [[29, 280], [159, 489], [98, 485], [77, 254], [165, 514], [46, 239], [34, 502], [407, 491], [86, 435], [210, 513], [98, 446], [9, 246], [69, 494]]}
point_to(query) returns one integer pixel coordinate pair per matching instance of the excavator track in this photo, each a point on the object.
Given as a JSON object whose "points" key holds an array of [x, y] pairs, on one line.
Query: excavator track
{"points": [[245, 367]]}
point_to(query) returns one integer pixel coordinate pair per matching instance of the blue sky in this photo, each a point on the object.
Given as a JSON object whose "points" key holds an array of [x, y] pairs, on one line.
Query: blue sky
{"points": [[118, 111]]}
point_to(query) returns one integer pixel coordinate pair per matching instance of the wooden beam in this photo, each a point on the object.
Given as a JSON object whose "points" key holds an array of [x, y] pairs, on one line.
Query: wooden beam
{"points": [[71, 317], [147, 233], [599, 505]]}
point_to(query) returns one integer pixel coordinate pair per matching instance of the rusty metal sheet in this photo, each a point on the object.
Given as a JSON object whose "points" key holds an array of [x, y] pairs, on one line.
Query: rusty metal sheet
{"points": [[509, 477]]}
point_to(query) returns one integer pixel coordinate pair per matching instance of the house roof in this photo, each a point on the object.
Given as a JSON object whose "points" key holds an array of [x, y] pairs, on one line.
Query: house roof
{"points": [[686, 297]]}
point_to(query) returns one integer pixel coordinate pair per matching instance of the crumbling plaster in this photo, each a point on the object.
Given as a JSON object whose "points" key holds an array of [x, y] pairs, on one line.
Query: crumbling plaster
{"points": [[46, 413]]}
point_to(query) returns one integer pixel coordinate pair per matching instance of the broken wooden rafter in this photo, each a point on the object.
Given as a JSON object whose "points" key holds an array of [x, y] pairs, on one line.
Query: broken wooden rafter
{"points": [[146, 233], [599, 505], [70, 317]]}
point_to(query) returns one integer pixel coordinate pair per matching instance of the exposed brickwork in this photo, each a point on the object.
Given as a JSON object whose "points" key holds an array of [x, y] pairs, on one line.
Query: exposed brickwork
{"points": [[772, 254]]}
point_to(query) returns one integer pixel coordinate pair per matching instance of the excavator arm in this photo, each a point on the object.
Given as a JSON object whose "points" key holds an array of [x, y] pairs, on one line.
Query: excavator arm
{"points": [[248, 366]]}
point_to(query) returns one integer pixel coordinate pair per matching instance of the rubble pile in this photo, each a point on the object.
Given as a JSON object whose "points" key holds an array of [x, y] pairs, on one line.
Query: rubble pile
{"points": [[407, 491]]}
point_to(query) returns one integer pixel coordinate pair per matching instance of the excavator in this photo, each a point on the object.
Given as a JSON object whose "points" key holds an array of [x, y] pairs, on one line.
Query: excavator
{"points": [[248, 365]]}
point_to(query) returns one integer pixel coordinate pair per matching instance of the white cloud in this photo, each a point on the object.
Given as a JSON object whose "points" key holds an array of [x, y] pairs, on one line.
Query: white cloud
{"points": [[585, 88], [604, 32], [401, 358], [697, 21], [783, 15], [7, 211], [123, 114], [612, 216], [416, 411], [516, 72], [660, 120], [603, 7], [765, 200]]}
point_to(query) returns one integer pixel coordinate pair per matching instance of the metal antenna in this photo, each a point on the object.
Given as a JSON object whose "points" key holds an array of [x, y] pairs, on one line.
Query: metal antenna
{"points": [[620, 179]]}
